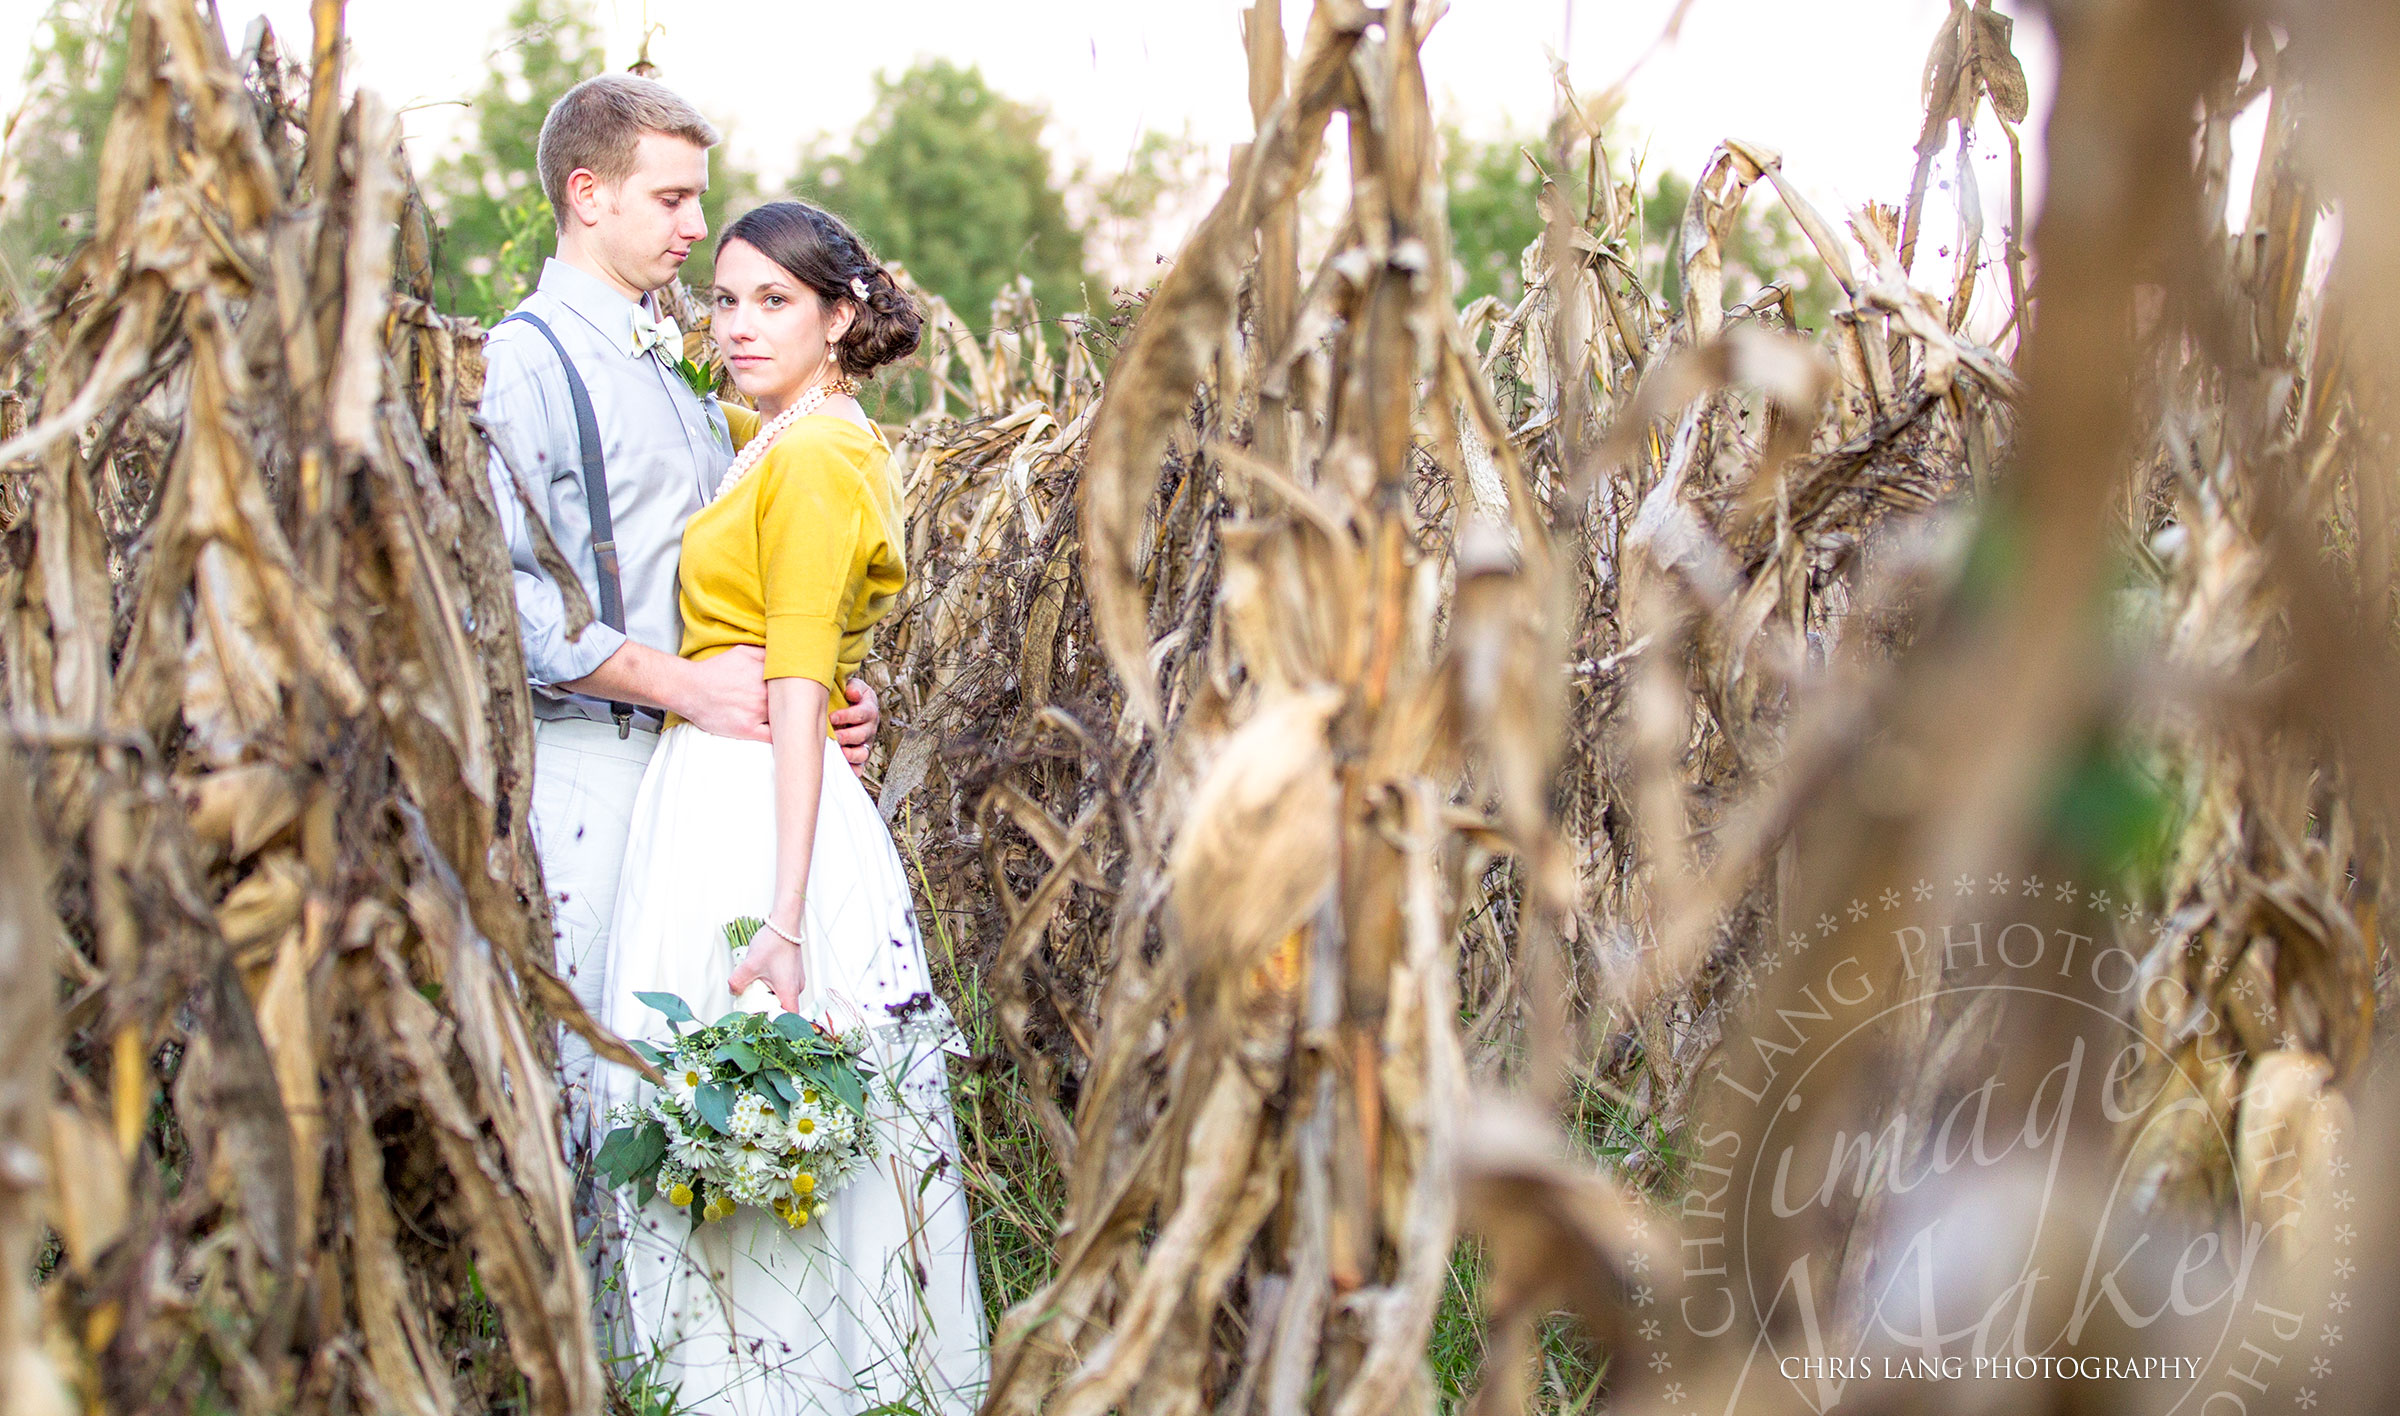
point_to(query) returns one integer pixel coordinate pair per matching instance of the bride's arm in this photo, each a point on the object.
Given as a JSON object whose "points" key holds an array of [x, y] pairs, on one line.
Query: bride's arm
{"points": [[796, 722], [812, 521]]}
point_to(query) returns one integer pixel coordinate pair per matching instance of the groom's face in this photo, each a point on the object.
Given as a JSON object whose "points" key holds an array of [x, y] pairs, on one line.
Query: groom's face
{"points": [[645, 226]]}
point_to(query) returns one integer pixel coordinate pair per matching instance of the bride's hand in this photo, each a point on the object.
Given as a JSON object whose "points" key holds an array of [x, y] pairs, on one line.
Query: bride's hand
{"points": [[778, 962]]}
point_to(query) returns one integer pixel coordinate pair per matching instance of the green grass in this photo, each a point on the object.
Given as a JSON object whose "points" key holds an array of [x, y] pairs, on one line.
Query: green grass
{"points": [[1015, 1192], [1566, 1380], [482, 1366], [1567, 1374], [636, 1388]]}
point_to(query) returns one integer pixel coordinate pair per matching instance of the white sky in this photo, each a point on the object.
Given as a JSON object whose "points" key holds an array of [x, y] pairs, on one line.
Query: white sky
{"points": [[1832, 84]]}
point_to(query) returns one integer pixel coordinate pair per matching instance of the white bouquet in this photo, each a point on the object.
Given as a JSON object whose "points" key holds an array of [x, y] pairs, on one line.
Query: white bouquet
{"points": [[756, 1110]]}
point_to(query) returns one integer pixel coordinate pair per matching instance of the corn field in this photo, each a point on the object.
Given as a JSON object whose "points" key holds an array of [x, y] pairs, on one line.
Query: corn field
{"points": [[1400, 789]]}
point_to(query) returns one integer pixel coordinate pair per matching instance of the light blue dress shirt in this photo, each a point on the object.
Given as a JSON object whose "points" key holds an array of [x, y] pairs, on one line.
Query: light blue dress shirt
{"points": [[666, 449]]}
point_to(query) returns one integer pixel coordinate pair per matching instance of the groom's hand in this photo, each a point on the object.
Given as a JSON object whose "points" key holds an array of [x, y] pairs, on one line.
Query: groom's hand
{"points": [[727, 695], [854, 726]]}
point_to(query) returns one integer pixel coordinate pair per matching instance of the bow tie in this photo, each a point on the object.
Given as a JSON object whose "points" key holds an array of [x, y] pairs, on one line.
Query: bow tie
{"points": [[659, 336]]}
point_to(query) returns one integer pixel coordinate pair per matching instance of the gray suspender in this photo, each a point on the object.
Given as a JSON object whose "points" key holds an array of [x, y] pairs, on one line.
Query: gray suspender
{"points": [[595, 499]]}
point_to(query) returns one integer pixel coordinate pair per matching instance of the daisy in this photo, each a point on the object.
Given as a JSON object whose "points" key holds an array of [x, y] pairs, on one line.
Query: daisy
{"points": [[751, 1116], [684, 1077]]}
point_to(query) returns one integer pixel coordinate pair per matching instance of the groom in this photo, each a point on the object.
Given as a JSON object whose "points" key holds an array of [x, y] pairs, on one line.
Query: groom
{"points": [[587, 413]]}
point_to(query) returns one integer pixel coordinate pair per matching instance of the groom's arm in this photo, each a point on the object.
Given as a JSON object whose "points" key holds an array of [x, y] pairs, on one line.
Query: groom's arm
{"points": [[530, 422], [522, 416], [725, 695]]}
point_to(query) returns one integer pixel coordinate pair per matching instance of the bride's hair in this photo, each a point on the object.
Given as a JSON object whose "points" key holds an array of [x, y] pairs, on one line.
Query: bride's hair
{"points": [[824, 254]]}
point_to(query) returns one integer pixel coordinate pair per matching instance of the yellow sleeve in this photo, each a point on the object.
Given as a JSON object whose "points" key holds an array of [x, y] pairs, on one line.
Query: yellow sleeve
{"points": [[817, 533], [741, 422]]}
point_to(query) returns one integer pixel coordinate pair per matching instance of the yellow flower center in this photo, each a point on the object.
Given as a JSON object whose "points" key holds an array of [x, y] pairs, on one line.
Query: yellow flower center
{"points": [[804, 1126], [808, 1095], [691, 1078]]}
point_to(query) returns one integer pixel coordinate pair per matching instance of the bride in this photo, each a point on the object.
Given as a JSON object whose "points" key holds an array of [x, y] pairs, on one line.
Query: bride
{"points": [[798, 552]]}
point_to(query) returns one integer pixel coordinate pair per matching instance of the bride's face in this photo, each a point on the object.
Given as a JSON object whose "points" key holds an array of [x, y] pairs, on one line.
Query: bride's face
{"points": [[777, 334]]}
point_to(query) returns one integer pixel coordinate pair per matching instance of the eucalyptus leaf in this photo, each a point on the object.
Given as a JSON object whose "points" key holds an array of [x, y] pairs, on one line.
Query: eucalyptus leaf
{"points": [[715, 1104], [631, 1151], [843, 1085], [611, 1159], [675, 1009]]}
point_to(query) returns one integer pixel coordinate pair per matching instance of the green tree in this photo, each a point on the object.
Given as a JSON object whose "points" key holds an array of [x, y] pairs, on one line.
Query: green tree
{"points": [[497, 226], [1492, 190], [71, 80], [1134, 213], [950, 178]]}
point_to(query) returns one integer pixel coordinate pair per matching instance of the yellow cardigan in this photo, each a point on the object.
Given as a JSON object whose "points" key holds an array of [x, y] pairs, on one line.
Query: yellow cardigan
{"points": [[802, 556]]}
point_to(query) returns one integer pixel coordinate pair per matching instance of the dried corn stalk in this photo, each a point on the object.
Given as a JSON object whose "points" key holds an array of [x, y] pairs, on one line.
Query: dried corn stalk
{"points": [[261, 662], [1293, 1018], [1741, 545]]}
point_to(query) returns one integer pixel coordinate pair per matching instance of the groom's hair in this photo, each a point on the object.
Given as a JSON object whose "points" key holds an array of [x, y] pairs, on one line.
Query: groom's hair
{"points": [[598, 124]]}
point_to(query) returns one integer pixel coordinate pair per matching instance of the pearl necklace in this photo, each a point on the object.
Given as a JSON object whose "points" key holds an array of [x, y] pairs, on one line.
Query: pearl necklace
{"points": [[754, 451]]}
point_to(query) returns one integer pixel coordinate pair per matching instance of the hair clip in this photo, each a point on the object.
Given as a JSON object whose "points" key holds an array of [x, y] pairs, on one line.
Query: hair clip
{"points": [[858, 287]]}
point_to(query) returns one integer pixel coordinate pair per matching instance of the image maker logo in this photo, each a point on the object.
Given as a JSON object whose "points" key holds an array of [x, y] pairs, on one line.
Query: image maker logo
{"points": [[1984, 1216]]}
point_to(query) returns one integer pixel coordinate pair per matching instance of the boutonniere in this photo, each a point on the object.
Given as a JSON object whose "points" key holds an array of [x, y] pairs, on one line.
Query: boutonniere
{"points": [[701, 381]]}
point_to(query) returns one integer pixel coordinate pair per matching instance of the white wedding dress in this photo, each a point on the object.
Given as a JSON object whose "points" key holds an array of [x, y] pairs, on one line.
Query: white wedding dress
{"points": [[877, 1307]]}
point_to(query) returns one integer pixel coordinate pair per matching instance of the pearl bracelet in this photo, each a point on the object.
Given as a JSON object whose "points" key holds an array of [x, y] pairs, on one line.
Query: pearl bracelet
{"points": [[769, 926]]}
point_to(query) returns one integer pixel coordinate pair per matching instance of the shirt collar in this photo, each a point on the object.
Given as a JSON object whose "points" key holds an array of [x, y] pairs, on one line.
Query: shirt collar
{"points": [[595, 300]]}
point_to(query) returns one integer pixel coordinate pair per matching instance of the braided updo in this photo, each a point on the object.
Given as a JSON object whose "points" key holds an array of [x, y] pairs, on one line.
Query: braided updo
{"points": [[821, 252]]}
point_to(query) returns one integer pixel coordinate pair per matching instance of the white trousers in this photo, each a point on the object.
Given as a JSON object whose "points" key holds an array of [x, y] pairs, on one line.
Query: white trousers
{"points": [[585, 779]]}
